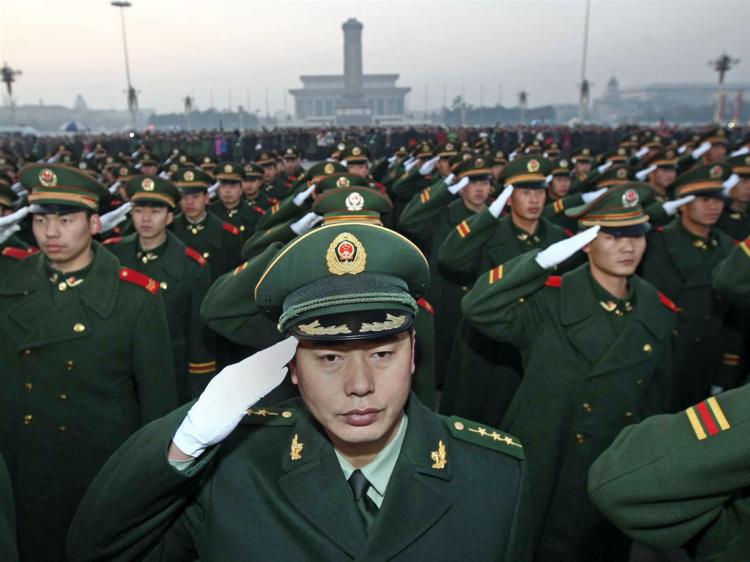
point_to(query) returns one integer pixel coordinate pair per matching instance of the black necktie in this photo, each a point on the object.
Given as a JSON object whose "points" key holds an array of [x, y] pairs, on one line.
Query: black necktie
{"points": [[366, 507]]}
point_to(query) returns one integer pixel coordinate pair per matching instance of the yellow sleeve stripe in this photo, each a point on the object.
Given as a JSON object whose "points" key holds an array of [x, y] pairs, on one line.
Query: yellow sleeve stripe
{"points": [[463, 229], [425, 196], [697, 427], [206, 364], [718, 413], [559, 206], [496, 274], [745, 245]]}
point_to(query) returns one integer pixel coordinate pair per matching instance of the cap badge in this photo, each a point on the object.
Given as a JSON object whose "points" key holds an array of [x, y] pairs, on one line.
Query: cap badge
{"points": [[630, 198], [586, 152], [289, 151], [479, 162], [747, 160], [562, 164], [341, 146], [622, 174], [621, 151], [147, 184], [123, 171], [47, 178], [328, 169], [449, 146], [533, 165], [188, 175], [206, 160], [173, 167], [467, 156], [670, 154], [228, 169], [183, 158], [715, 172], [354, 202], [343, 181], [346, 254], [356, 151]]}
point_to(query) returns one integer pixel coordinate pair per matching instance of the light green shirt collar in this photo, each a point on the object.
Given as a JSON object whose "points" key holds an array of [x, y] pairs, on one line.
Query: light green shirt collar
{"points": [[379, 471]]}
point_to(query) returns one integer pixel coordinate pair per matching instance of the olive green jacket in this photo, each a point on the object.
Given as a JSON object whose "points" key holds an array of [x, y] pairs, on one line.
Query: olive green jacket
{"points": [[83, 368], [735, 224], [682, 479], [732, 276], [8, 549], [250, 498], [583, 382], [218, 242], [243, 216]]}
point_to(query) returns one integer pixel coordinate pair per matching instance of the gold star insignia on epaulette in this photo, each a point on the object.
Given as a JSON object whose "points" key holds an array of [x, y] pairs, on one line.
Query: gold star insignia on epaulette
{"points": [[495, 436], [262, 412], [439, 457], [480, 430], [295, 452]]}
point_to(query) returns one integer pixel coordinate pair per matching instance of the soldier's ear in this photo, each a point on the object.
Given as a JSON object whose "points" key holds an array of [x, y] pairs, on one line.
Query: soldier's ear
{"points": [[293, 370], [170, 217], [413, 350], [95, 224]]}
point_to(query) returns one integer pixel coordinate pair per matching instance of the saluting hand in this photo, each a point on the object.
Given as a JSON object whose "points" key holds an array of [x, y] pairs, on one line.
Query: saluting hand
{"points": [[670, 207], [560, 251], [499, 204]]}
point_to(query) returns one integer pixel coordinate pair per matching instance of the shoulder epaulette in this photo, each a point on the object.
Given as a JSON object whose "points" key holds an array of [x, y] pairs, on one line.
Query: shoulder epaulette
{"points": [[140, 279], [554, 281], [485, 436], [424, 303], [194, 255], [231, 228], [270, 416], [666, 301], [113, 240], [259, 209], [18, 253]]}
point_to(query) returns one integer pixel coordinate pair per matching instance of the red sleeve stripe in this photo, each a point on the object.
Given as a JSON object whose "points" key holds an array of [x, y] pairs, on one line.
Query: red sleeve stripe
{"points": [[496, 273], [463, 229], [745, 245]]}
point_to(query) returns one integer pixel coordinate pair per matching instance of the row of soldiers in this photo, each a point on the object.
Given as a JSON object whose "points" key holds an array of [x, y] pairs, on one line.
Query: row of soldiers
{"points": [[127, 284]]}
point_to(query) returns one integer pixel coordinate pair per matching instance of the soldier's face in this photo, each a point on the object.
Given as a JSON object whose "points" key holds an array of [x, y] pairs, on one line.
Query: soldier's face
{"points": [[194, 205], [251, 188], [290, 165], [475, 194], [618, 256], [717, 153], [527, 204], [269, 173], [359, 169], [741, 191], [149, 169], [230, 193], [65, 239], [560, 186], [151, 222], [356, 390], [443, 167], [664, 177], [703, 211], [582, 167]]}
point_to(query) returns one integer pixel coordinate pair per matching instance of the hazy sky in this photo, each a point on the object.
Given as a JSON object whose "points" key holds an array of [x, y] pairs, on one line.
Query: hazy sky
{"points": [[178, 47]]}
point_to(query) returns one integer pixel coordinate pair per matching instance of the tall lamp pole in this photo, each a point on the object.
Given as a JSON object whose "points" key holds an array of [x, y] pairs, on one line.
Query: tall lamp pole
{"points": [[585, 91], [132, 95], [721, 65]]}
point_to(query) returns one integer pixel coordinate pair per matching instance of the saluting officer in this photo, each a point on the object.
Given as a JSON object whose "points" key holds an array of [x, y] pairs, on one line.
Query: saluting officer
{"points": [[86, 357]]}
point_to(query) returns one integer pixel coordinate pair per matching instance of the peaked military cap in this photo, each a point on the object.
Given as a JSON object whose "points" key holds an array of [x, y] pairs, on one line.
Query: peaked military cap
{"points": [[344, 281], [335, 181], [499, 158], [740, 164], [614, 175], [704, 180], [355, 154], [534, 147], [717, 135], [423, 150], [61, 187], [401, 151], [192, 180], [552, 151], [337, 149], [148, 159], [124, 172], [266, 158], [527, 172], [447, 150], [291, 153], [479, 167], [152, 190], [208, 163], [352, 203], [318, 171], [664, 158], [583, 155], [7, 195], [252, 171], [618, 155], [228, 171], [561, 168], [618, 212], [462, 156]]}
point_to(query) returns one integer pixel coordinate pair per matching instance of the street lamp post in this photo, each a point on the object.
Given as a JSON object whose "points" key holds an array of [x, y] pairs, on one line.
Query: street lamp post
{"points": [[585, 92], [132, 95], [721, 65]]}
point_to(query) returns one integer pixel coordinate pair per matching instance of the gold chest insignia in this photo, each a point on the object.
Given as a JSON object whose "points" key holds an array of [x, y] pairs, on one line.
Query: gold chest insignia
{"points": [[295, 452], [439, 458], [346, 254]]}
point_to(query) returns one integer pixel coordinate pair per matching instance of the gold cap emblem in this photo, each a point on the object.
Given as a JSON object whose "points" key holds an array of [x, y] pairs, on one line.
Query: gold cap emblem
{"points": [[622, 174], [48, 178], [228, 169], [449, 146], [356, 151], [123, 171], [328, 169], [533, 165], [343, 182], [147, 184], [354, 202], [563, 164], [346, 255], [188, 175], [715, 172], [630, 198]]}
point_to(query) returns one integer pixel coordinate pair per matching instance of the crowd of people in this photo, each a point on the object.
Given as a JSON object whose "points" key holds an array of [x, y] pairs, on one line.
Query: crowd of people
{"points": [[510, 343]]}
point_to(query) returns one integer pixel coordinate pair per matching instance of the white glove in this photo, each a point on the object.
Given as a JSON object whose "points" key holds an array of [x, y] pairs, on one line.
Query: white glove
{"points": [[740, 151], [593, 195], [305, 223], [428, 166], [344, 163], [548, 179], [112, 188], [410, 164], [17, 187], [682, 149], [499, 204], [604, 167], [641, 152], [458, 186], [54, 159], [560, 251], [8, 231], [729, 183], [643, 174], [212, 189], [392, 159], [670, 207], [449, 179], [164, 175], [227, 397], [113, 218], [303, 196], [14, 218], [701, 150]]}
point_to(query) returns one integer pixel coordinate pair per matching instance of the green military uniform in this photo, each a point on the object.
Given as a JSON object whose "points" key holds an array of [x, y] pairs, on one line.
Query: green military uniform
{"points": [[732, 276], [483, 375], [291, 153], [682, 479], [680, 264], [275, 189], [86, 360], [593, 364], [218, 242], [735, 219], [184, 279], [243, 216], [340, 282], [8, 548], [553, 210], [261, 202], [428, 219], [410, 182]]}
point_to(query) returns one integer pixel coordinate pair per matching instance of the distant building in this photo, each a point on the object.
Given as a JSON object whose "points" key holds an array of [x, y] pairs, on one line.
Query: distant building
{"points": [[353, 98]]}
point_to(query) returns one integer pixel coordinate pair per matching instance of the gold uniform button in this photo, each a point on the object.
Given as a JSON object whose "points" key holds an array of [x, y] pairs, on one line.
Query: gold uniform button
{"points": [[163, 285], [62, 286], [647, 348], [78, 327], [26, 352], [580, 438], [28, 386], [586, 407], [522, 300], [629, 414], [459, 426], [676, 332], [62, 428], [62, 397], [639, 381], [69, 365], [286, 414], [27, 419]]}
